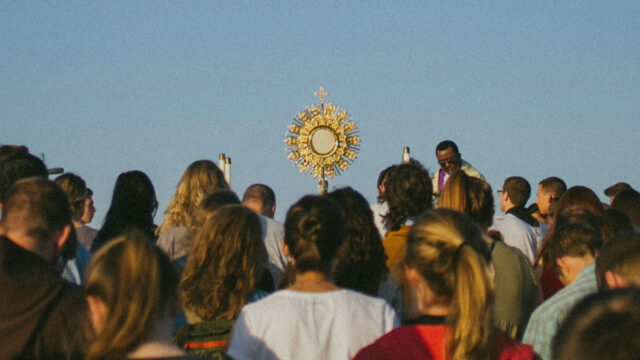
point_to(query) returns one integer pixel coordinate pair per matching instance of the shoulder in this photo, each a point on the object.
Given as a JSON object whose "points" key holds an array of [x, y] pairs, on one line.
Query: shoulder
{"points": [[508, 348], [470, 170]]}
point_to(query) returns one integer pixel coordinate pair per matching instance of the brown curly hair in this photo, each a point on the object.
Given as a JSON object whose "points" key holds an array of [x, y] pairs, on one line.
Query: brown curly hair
{"points": [[226, 261]]}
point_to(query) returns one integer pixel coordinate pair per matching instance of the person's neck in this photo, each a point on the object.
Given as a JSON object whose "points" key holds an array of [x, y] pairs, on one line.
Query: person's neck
{"points": [[77, 224], [158, 343], [312, 281]]}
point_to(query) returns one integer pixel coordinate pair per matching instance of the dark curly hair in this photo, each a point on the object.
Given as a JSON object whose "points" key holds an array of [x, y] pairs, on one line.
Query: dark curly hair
{"points": [[362, 267], [408, 192], [313, 231]]}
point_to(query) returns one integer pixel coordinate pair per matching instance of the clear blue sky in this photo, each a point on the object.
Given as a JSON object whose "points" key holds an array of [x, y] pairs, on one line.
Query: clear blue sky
{"points": [[525, 88]]}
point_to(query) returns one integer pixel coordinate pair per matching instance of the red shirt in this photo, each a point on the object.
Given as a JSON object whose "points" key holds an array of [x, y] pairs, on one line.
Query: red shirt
{"points": [[429, 342]]}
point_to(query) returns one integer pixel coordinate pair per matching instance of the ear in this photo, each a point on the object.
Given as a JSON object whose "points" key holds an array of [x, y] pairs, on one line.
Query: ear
{"points": [[411, 274], [285, 248], [98, 312], [613, 280], [562, 264], [61, 237]]}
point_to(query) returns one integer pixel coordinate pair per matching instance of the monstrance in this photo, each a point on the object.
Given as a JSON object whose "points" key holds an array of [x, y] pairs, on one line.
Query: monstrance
{"points": [[322, 141]]}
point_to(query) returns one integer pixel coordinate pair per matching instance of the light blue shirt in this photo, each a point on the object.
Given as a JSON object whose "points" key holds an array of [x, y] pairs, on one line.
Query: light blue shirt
{"points": [[548, 317]]}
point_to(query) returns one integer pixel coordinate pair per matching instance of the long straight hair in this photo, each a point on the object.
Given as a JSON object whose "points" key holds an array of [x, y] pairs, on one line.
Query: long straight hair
{"points": [[136, 282]]}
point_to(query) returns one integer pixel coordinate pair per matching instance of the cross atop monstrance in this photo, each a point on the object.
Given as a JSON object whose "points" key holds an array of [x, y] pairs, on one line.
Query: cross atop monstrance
{"points": [[321, 94], [322, 140]]}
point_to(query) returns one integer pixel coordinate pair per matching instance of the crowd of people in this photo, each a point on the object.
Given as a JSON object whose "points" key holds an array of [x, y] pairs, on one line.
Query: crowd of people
{"points": [[430, 271]]}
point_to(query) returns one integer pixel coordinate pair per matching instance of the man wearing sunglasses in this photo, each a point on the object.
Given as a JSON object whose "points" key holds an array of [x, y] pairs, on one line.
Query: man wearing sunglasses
{"points": [[450, 160]]}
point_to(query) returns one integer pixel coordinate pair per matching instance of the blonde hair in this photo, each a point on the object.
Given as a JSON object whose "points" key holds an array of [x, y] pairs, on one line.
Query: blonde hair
{"points": [[441, 246], [225, 263], [199, 179], [469, 195], [136, 281]]}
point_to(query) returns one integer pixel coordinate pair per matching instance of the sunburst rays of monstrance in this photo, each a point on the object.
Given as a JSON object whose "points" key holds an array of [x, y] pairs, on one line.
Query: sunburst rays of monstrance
{"points": [[322, 141]]}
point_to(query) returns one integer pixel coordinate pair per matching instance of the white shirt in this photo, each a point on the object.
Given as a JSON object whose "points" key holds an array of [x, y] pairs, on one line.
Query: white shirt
{"points": [[302, 325], [379, 210], [272, 235], [517, 234]]}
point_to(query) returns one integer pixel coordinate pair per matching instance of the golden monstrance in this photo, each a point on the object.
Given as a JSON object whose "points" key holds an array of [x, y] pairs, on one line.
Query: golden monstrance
{"points": [[322, 141]]}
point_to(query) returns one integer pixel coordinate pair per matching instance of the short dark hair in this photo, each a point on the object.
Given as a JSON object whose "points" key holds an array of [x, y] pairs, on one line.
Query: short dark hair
{"points": [[444, 145], [621, 255], [615, 189], [262, 192], [601, 326], [20, 166], [615, 222], [38, 206], [575, 240], [408, 191], [9, 150], [518, 189], [628, 201], [553, 185]]}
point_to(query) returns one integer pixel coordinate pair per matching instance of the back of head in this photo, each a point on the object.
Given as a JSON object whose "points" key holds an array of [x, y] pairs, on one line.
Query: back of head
{"points": [[210, 204], [621, 256], [136, 282], [133, 204], [9, 150], [444, 145], [76, 190], [201, 178], [602, 326], [363, 264], [615, 222], [18, 166], [225, 263], [554, 186], [617, 188], [408, 192], [314, 229], [36, 207], [574, 240], [469, 195], [628, 201], [264, 194], [518, 189], [444, 246]]}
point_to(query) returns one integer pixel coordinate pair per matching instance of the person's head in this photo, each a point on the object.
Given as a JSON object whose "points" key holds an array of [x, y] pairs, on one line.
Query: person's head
{"points": [[618, 264], [130, 285], [9, 150], [133, 204], [616, 222], [198, 180], [572, 247], [448, 156], [224, 264], [628, 201], [444, 266], [615, 189], [362, 266], [314, 230], [549, 191], [470, 196], [211, 203], [515, 193], [260, 199], [408, 192], [36, 215], [89, 208], [381, 180], [602, 326], [20, 166], [76, 190]]}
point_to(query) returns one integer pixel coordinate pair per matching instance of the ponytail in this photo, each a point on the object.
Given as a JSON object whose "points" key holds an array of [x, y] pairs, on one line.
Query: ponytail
{"points": [[447, 249], [471, 307]]}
